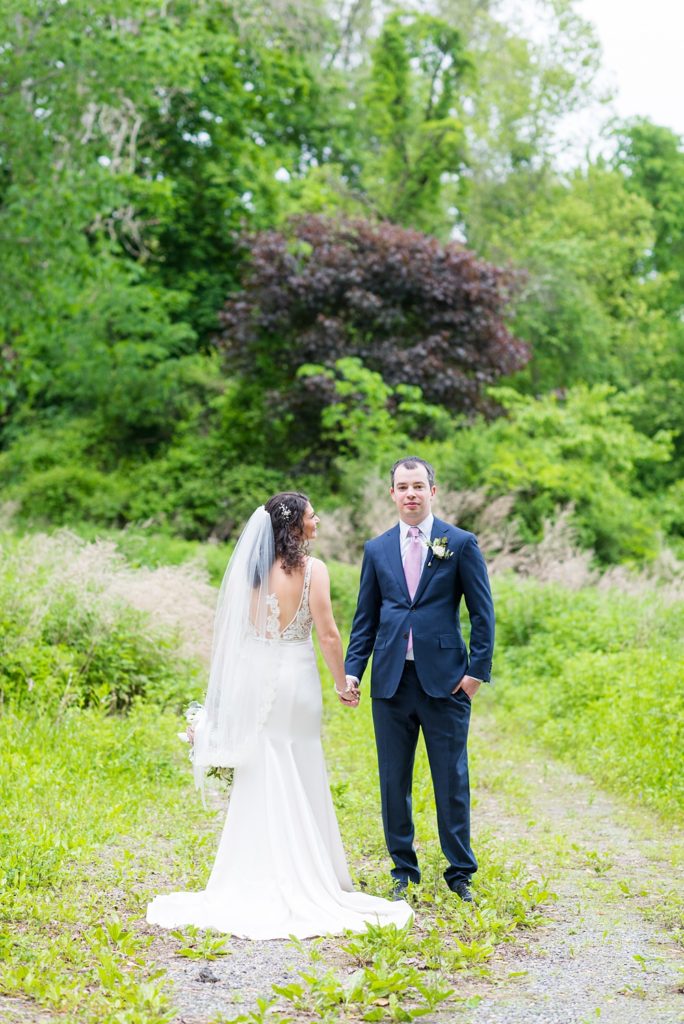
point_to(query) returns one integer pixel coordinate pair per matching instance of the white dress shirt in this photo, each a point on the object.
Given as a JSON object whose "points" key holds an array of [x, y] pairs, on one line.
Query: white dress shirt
{"points": [[426, 531]]}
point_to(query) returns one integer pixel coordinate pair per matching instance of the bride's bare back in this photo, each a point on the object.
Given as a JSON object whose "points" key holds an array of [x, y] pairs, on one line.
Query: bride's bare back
{"points": [[289, 590]]}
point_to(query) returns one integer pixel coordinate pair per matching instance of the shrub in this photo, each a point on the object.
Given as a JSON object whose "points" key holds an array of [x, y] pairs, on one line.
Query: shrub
{"points": [[199, 489], [66, 638], [578, 449], [412, 310], [68, 494], [596, 675]]}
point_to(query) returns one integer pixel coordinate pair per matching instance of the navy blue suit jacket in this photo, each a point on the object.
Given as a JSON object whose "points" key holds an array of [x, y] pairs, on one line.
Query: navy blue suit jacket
{"points": [[385, 613]]}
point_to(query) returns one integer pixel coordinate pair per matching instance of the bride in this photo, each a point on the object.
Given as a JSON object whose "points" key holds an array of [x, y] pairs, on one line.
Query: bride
{"points": [[280, 869]]}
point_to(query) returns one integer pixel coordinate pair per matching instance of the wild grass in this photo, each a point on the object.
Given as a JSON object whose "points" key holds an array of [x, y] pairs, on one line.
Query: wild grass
{"points": [[596, 675], [95, 810], [79, 626], [98, 812], [556, 557]]}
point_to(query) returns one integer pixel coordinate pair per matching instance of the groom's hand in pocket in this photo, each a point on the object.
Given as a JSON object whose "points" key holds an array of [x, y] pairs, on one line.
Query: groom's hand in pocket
{"points": [[469, 685]]}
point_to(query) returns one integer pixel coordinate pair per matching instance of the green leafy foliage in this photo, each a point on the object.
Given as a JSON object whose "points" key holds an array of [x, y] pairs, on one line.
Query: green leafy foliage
{"points": [[150, 162], [653, 158], [580, 449], [596, 676], [413, 126], [64, 642], [329, 291]]}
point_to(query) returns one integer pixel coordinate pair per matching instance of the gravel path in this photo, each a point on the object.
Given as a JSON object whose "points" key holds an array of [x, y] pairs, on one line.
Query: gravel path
{"points": [[231, 984], [16, 1010], [597, 959]]}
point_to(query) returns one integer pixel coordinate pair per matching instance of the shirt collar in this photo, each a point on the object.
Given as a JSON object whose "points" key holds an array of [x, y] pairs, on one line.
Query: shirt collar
{"points": [[425, 527]]}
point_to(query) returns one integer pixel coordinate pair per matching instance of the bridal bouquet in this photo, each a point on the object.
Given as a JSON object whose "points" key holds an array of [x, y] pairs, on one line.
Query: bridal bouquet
{"points": [[192, 713]]}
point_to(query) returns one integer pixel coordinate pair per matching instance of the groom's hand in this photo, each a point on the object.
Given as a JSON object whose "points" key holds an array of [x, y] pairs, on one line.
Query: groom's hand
{"points": [[469, 685], [350, 695]]}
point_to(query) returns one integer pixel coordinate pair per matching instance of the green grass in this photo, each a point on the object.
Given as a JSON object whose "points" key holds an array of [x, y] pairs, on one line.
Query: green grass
{"points": [[98, 811], [596, 677]]}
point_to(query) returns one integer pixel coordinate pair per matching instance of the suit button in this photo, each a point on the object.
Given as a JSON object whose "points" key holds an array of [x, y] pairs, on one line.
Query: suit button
{"points": [[405, 636]]}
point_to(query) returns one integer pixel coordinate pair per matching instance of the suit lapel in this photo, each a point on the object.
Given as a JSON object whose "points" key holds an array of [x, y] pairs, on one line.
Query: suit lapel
{"points": [[393, 552], [438, 530]]}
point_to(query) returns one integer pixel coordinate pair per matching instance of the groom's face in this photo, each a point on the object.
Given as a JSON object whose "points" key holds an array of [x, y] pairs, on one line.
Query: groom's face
{"points": [[412, 494]]}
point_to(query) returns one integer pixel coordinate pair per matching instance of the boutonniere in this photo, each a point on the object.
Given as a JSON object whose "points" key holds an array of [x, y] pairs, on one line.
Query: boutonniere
{"points": [[438, 548]]}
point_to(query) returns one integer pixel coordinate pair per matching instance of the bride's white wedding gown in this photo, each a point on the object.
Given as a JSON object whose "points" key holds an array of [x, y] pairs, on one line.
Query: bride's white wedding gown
{"points": [[280, 869]]}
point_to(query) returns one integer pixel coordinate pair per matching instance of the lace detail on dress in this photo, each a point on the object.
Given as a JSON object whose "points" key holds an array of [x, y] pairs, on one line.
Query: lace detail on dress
{"points": [[272, 617], [300, 627]]}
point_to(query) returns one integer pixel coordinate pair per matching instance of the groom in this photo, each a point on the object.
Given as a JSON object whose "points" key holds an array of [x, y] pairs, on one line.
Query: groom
{"points": [[412, 580]]}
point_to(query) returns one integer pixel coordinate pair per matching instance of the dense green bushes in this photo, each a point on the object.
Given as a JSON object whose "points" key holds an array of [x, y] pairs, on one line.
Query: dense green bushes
{"points": [[596, 675], [579, 449], [123, 399]]}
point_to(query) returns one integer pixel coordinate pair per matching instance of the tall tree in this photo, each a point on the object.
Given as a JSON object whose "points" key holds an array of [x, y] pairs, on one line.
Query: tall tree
{"points": [[135, 144], [412, 118], [585, 307], [652, 159]]}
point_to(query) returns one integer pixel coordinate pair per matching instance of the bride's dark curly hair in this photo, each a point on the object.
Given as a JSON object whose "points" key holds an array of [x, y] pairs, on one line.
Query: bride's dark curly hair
{"points": [[287, 519]]}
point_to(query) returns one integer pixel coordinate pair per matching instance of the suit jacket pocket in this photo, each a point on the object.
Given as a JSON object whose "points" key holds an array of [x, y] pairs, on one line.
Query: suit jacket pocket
{"points": [[452, 641], [380, 643]]}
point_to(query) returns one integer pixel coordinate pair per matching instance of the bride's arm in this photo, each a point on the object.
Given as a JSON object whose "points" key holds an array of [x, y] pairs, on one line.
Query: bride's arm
{"points": [[327, 631]]}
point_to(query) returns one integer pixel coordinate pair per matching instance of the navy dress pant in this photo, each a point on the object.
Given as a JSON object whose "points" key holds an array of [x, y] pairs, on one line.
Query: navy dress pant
{"points": [[444, 721]]}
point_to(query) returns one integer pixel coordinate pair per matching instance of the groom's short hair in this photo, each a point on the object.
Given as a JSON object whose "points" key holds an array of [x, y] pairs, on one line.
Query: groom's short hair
{"points": [[411, 461]]}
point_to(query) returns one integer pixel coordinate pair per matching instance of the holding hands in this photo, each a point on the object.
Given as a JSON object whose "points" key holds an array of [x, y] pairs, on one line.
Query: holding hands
{"points": [[349, 694]]}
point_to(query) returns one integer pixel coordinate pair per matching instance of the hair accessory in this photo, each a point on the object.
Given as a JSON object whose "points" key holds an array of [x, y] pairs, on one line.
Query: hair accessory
{"points": [[284, 510]]}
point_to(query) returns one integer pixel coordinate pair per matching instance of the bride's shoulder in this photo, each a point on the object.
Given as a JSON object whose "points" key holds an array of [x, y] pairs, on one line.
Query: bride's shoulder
{"points": [[319, 570]]}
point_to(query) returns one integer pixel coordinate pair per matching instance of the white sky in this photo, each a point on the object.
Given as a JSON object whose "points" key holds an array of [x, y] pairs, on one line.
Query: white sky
{"points": [[643, 56]]}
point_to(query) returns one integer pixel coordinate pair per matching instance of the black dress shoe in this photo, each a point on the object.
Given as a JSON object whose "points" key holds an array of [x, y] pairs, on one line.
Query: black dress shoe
{"points": [[463, 891], [399, 888]]}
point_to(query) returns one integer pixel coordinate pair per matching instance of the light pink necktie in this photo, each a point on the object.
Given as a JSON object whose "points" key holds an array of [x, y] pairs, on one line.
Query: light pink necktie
{"points": [[413, 566]]}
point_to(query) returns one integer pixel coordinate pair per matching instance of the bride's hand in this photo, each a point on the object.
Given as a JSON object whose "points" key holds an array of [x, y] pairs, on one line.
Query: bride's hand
{"points": [[350, 694]]}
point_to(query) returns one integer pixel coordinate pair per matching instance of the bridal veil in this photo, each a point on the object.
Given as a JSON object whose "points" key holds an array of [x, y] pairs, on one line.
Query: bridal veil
{"points": [[244, 664]]}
